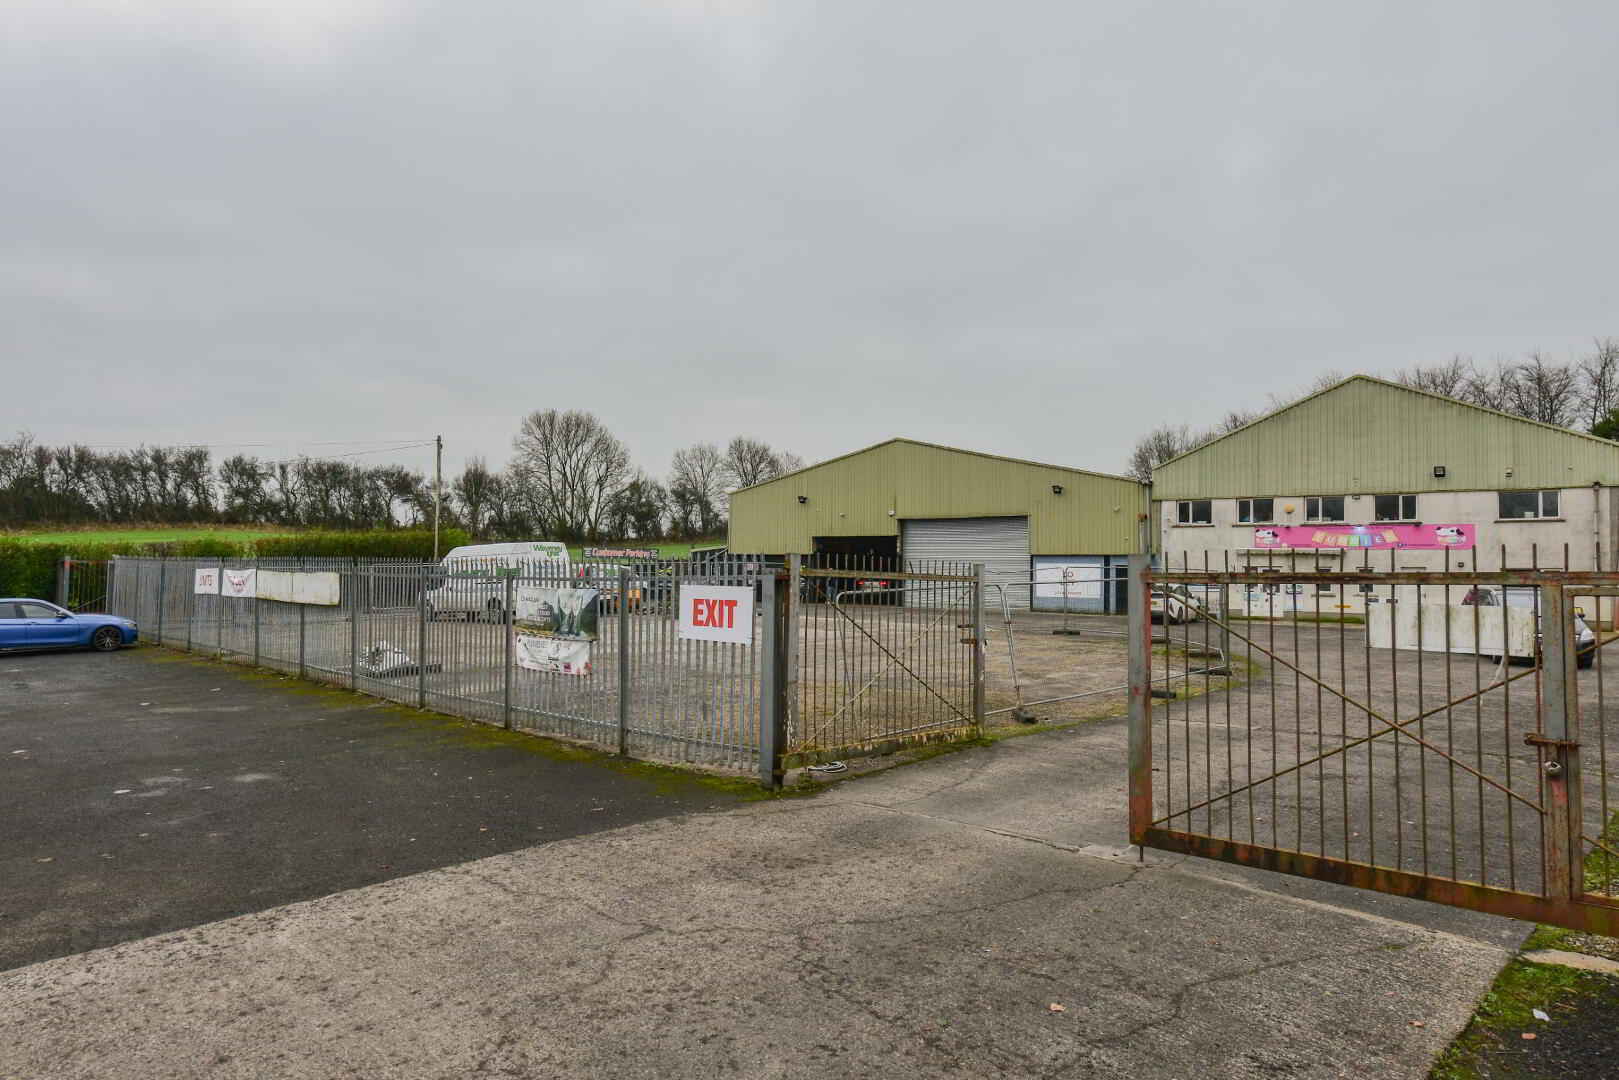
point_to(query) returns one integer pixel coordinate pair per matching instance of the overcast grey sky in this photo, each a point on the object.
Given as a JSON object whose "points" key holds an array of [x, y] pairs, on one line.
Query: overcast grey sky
{"points": [[1025, 228]]}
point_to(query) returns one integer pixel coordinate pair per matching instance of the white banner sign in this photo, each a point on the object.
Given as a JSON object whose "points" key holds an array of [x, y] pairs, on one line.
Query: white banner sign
{"points": [[239, 583], [299, 586], [1058, 581], [206, 581], [538, 653], [717, 613]]}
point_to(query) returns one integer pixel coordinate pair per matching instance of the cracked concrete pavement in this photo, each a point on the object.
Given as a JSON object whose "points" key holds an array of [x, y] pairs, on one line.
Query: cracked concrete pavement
{"points": [[922, 922]]}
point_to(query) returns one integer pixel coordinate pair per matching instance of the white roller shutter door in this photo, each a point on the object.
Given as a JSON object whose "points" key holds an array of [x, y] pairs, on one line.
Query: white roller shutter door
{"points": [[1000, 543]]}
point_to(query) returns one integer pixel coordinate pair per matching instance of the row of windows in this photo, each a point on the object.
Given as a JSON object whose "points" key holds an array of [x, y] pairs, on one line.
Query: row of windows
{"points": [[1512, 504]]}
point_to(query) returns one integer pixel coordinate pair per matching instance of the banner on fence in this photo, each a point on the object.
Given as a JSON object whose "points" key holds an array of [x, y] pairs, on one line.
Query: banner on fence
{"points": [[206, 581], [537, 653], [299, 586], [554, 628], [243, 583], [1374, 537], [552, 612], [717, 613]]}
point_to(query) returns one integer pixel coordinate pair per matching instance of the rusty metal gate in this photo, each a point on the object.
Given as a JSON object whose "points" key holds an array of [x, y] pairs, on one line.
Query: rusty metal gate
{"points": [[1444, 736]]}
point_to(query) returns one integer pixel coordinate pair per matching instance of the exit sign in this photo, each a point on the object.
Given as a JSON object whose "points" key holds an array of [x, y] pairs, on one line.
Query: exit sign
{"points": [[716, 613]]}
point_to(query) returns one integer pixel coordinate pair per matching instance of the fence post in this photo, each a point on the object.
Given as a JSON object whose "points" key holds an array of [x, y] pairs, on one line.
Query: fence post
{"points": [[624, 661], [255, 611], [302, 609], [1139, 627], [774, 680], [191, 605], [980, 633], [64, 578], [162, 592], [421, 637], [1557, 743], [511, 655], [353, 595], [219, 612]]}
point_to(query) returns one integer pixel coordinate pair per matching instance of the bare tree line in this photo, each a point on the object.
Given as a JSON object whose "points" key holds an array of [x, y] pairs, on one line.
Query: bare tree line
{"points": [[1580, 393], [569, 478]]}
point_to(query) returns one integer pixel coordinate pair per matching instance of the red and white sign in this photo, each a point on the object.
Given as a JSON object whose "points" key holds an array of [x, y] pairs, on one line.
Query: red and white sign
{"points": [[716, 613], [206, 581], [243, 583]]}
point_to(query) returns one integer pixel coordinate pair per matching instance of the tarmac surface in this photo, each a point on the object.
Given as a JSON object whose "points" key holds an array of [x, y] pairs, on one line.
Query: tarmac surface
{"points": [[144, 791], [973, 915]]}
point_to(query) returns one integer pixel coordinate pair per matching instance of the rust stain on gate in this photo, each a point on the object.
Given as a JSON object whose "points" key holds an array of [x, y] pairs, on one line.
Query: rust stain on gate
{"points": [[1407, 756]]}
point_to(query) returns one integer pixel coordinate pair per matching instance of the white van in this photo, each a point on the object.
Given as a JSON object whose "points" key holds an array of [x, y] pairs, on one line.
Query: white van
{"points": [[474, 575]]}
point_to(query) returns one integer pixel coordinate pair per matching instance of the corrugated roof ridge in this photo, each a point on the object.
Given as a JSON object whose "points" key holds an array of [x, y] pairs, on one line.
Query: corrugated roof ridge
{"points": [[937, 446], [1374, 380]]}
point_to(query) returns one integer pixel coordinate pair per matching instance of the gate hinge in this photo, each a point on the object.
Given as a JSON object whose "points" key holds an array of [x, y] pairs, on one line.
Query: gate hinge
{"points": [[1536, 738]]}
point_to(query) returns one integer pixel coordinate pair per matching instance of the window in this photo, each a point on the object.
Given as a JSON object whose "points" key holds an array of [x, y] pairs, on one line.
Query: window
{"points": [[1394, 507], [1528, 504], [28, 610], [1256, 510], [1195, 512], [1324, 508]]}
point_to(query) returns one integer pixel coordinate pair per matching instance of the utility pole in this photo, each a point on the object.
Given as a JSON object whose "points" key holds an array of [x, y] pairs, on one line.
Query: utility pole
{"points": [[438, 488]]}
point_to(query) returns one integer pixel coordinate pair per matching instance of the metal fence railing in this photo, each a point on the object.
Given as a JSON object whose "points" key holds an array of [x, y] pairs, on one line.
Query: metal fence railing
{"points": [[412, 633], [834, 663]]}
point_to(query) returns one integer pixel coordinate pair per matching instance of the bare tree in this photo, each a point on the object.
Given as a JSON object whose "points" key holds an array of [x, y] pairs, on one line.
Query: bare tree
{"points": [[749, 461], [474, 493], [1156, 447], [1599, 381], [568, 467], [697, 479], [1447, 379]]}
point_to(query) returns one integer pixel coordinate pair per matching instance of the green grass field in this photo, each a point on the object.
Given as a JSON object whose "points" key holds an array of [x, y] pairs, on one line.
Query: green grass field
{"points": [[139, 536]]}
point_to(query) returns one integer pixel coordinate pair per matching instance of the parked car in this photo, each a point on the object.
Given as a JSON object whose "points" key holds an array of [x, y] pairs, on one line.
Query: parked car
{"points": [[26, 623], [603, 577], [1585, 639], [1176, 604]]}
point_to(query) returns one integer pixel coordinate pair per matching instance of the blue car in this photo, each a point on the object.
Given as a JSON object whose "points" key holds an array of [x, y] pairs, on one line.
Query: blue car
{"points": [[35, 624]]}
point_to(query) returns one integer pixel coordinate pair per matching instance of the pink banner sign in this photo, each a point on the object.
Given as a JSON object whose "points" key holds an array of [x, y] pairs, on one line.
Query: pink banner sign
{"points": [[1411, 537]]}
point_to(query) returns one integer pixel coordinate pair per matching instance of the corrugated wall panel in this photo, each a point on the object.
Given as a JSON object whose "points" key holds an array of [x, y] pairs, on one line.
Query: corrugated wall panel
{"points": [[1367, 436], [870, 492]]}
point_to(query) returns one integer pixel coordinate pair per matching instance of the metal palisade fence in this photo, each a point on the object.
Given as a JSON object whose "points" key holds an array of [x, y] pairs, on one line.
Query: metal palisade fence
{"points": [[523, 649]]}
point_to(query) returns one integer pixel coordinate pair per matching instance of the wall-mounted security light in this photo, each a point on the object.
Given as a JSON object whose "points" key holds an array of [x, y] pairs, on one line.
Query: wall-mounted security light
{"points": [[803, 498], [1056, 489], [1439, 472]]}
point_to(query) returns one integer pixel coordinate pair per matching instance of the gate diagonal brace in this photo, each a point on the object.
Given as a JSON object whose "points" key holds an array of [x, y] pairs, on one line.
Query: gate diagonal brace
{"points": [[1398, 728], [894, 660]]}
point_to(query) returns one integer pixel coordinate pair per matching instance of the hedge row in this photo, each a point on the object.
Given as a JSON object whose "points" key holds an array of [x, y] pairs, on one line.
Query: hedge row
{"points": [[29, 569]]}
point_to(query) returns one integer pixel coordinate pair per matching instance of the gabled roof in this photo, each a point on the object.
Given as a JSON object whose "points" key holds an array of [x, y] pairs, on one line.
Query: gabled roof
{"points": [[936, 446], [1373, 380]]}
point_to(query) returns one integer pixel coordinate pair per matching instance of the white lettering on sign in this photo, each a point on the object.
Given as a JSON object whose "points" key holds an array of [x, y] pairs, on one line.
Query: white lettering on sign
{"points": [[717, 613]]}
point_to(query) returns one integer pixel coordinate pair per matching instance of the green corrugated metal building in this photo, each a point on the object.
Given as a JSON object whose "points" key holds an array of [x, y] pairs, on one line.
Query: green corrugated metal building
{"points": [[907, 499], [1366, 452]]}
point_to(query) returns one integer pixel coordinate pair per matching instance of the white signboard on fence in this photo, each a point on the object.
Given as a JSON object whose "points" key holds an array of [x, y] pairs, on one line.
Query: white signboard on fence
{"points": [[1072, 581], [1457, 628], [299, 586], [717, 613], [564, 655], [242, 583], [206, 581]]}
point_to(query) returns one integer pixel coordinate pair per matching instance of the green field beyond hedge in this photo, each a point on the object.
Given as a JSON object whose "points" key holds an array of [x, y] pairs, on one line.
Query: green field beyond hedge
{"points": [[140, 536], [28, 561]]}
